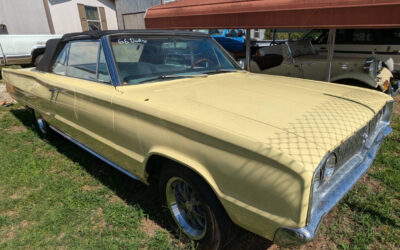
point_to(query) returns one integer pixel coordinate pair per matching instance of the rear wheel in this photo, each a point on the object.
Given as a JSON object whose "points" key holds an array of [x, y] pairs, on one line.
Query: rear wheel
{"points": [[193, 208]]}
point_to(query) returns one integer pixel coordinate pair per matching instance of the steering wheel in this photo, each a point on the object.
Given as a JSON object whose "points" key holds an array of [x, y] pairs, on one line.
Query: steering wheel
{"points": [[199, 61]]}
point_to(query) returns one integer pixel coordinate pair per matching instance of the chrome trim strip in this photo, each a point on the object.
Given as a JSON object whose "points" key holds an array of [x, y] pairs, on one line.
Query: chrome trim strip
{"points": [[68, 137], [345, 178]]}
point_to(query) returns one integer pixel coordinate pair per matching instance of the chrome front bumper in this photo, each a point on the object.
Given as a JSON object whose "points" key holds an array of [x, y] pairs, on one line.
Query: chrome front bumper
{"points": [[334, 190]]}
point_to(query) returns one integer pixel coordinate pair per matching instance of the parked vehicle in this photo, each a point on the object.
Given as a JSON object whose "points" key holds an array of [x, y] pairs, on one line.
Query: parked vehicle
{"points": [[300, 59], [233, 40], [270, 154], [385, 43], [22, 49]]}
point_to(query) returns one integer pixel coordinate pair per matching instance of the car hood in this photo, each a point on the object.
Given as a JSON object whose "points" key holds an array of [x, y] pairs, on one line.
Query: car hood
{"points": [[300, 118]]}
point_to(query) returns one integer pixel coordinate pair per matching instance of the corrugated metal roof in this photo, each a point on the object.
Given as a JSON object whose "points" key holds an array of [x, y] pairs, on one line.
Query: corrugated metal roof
{"points": [[190, 14]]}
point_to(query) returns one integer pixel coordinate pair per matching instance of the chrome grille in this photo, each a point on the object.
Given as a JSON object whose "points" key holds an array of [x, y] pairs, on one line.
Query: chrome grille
{"points": [[354, 144]]}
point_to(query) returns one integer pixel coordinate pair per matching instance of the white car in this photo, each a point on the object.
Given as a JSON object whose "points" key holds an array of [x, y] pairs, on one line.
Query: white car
{"points": [[23, 49], [385, 43]]}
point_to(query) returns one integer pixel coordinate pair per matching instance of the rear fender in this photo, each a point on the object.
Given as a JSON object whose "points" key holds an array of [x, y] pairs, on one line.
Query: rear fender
{"points": [[360, 77]]}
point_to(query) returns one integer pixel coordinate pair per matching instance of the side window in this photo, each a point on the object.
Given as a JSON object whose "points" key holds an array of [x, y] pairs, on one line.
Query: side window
{"points": [[82, 59], [60, 65], [388, 36], [314, 35], [323, 38], [363, 36], [344, 36], [103, 74]]}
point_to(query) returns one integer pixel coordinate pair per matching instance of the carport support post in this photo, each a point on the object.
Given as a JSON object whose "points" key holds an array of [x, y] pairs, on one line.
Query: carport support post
{"points": [[331, 49], [248, 55]]}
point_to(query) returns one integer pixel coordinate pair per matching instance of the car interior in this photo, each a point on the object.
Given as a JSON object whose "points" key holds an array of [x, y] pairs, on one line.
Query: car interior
{"points": [[157, 59]]}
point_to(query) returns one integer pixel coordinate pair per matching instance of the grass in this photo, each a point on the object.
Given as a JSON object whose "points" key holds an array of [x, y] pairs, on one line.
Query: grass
{"points": [[53, 194]]}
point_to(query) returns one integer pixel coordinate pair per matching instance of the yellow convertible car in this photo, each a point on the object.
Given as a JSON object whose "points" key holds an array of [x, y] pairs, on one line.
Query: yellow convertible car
{"points": [[228, 148]]}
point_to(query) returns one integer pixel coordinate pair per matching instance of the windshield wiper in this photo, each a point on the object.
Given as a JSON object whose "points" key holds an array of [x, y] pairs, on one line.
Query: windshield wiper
{"points": [[161, 77], [220, 71]]}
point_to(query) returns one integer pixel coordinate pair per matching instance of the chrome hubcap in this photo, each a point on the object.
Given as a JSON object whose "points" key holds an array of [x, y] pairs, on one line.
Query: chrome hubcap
{"points": [[186, 209]]}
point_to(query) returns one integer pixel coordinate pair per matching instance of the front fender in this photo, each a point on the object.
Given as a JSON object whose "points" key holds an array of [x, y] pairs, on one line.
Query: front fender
{"points": [[259, 195], [184, 160]]}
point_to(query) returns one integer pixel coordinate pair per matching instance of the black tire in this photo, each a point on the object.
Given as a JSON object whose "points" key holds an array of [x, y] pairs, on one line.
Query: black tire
{"points": [[42, 127], [219, 229], [37, 60]]}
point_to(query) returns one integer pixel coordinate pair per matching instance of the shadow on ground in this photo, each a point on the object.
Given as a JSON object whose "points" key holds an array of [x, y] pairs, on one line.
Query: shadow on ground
{"points": [[132, 192]]}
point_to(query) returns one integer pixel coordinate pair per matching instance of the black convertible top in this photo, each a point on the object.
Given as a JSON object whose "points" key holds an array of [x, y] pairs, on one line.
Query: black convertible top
{"points": [[53, 46], [99, 33]]}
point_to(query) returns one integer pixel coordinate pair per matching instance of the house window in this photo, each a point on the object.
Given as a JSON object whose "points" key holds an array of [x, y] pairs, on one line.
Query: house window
{"points": [[3, 29], [256, 33], [93, 18]]}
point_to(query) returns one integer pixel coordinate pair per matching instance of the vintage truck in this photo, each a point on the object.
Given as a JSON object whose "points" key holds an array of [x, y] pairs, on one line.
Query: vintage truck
{"points": [[300, 59], [384, 43], [226, 147], [22, 49]]}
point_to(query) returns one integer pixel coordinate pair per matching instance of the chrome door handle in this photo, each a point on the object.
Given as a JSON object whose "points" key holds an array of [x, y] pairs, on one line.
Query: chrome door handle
{"points": [[53, 92]]}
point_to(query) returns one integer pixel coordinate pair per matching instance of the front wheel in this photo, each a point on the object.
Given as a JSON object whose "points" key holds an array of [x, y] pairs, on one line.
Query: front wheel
{"points": [[194, 209]]}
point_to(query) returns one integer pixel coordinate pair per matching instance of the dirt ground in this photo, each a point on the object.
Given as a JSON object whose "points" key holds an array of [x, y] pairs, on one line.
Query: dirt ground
{"points": [[4, 96]]}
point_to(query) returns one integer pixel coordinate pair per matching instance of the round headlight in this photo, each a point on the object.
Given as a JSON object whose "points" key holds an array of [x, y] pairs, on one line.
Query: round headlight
{"points": [[331, 161], [325, 173], [368, 67], [330, 166]]}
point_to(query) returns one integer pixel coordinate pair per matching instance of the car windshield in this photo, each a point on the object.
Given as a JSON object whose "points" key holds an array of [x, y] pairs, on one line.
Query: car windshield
{"points": [[301, 48], [143, 59]]}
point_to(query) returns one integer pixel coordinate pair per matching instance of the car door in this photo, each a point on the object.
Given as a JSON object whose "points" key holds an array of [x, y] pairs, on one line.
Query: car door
{"points": [[95, 115], [61, 93], [289, 66]]}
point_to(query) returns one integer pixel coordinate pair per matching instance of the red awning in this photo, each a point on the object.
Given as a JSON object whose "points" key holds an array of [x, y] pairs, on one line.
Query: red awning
{"points": [[192, 14]]}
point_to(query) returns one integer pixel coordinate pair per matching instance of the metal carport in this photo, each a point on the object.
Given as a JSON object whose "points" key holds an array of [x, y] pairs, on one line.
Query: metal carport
{"points": [[294, 14]]}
